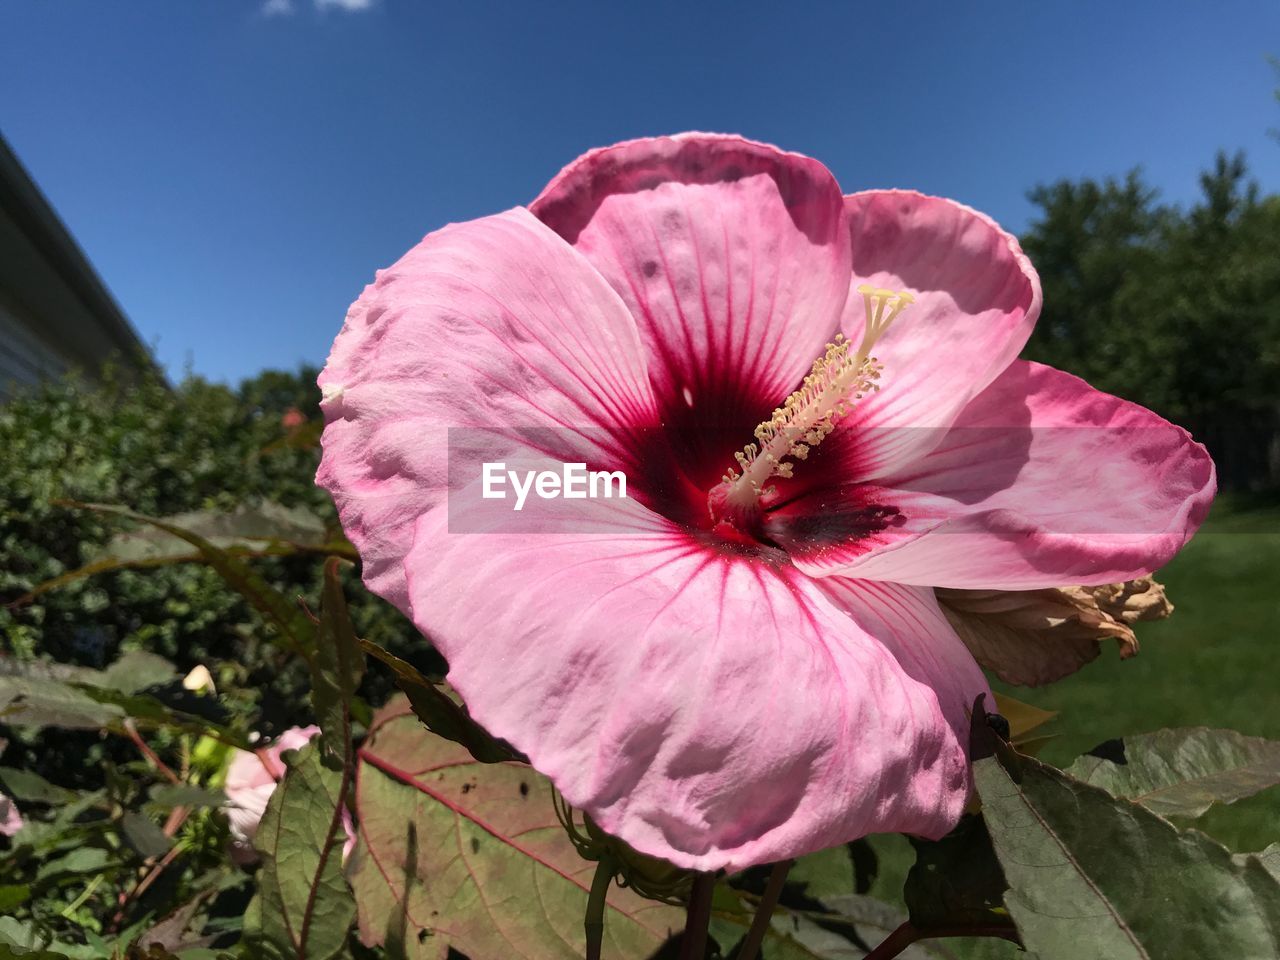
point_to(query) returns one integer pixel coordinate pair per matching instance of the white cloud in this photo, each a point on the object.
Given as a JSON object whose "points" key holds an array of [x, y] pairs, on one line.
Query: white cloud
{"points": [[287, 8]]}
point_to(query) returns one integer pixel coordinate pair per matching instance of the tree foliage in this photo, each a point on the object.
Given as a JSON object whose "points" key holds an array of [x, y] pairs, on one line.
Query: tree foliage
{"points": [[1178, 310]]}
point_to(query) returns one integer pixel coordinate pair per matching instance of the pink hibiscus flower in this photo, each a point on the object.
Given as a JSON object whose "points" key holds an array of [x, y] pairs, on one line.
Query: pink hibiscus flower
{"points": [[743, 660], [252, 779]]}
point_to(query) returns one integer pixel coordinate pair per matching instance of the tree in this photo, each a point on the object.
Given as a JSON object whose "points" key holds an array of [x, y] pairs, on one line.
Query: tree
{"points": [[1176, 310]]}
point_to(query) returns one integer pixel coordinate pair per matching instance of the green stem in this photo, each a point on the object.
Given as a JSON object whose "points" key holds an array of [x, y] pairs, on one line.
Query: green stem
{"points": [[764, 910], [593, 922], [79, 901], [693, 945]]}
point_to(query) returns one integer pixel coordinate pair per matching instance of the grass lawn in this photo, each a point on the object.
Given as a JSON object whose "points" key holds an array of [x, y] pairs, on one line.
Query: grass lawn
{"points": [[1212, 663]]}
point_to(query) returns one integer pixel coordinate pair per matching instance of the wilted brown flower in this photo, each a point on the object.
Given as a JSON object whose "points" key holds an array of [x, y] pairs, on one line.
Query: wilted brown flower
{"points": [[1033, 637]]}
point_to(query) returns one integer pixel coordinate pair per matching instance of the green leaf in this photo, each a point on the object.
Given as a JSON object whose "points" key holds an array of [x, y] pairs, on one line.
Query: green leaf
{"points": [[42, 694], [136, 670], [957, 883], [82, 860], [304, 907], [32, 788], [169, 795], [458, 853], [19, 938], [443, 716], [253, 527], [1094, 876], [847, 927], [1182, 772], [267, 530], [150, 712], [294, 628], [1269, 858], [41, 702], [141, 833], [338, 667]]}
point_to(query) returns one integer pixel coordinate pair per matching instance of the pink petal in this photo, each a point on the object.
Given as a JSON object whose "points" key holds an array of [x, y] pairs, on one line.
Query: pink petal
{"points": [[732, 255], [915, 630], [1043, 481], [976, 300], [252, 777], [713, 708], [10, 817], [494, 333]]}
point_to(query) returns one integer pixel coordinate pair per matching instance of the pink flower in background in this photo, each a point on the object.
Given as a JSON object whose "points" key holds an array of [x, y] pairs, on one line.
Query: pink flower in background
{"points": [[818, 406], [10, 818], [292, 418], [252, 779]]}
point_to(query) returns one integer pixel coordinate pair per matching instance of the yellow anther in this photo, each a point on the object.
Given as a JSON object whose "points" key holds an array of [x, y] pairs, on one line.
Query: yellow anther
{"points": [[836, 381], [883, 307]]}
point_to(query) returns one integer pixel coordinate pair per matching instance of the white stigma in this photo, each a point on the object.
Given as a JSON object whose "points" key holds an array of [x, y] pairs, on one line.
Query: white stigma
{"points": [[837, 380]]}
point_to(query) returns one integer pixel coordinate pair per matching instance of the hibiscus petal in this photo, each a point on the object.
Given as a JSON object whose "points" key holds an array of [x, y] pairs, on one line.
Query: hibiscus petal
{"points": [[976, 300], [710, 707], [487, 340], [1043, 481], [732, 255], [911, 624]]}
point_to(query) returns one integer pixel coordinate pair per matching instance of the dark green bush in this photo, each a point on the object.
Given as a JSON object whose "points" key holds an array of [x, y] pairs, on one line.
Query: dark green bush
{"points": [[162, 451]]}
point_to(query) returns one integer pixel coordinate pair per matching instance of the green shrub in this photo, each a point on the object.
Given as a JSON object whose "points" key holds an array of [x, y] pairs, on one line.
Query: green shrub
{"points": [[162, 451]]}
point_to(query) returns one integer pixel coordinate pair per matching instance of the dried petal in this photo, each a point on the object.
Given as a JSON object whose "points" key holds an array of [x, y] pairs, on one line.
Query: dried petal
{"points": [[1033, 637]]}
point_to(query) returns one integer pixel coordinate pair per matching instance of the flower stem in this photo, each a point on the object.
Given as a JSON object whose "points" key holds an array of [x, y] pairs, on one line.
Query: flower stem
{"points": [[593, 922], [764, 910], [152, 757], [895, 943], [693, 945], [907, 934]]}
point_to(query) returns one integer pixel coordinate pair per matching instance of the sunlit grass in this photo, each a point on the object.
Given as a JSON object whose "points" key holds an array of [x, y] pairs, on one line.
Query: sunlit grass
{"points": [[1213, 663]]}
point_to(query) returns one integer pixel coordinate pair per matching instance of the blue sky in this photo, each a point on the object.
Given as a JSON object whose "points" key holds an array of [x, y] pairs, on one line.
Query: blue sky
{"points": [[237, 171]]}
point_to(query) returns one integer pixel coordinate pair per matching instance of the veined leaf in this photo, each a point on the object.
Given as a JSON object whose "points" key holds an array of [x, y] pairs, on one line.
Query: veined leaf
{"points": [[1182, 772], [442, 715], [337, 668], [251, 527], [455, 852], [42, 702], [133, 670], [1092, 876], [41, 694], [294, 628], [267, 530], [303, 909]]}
